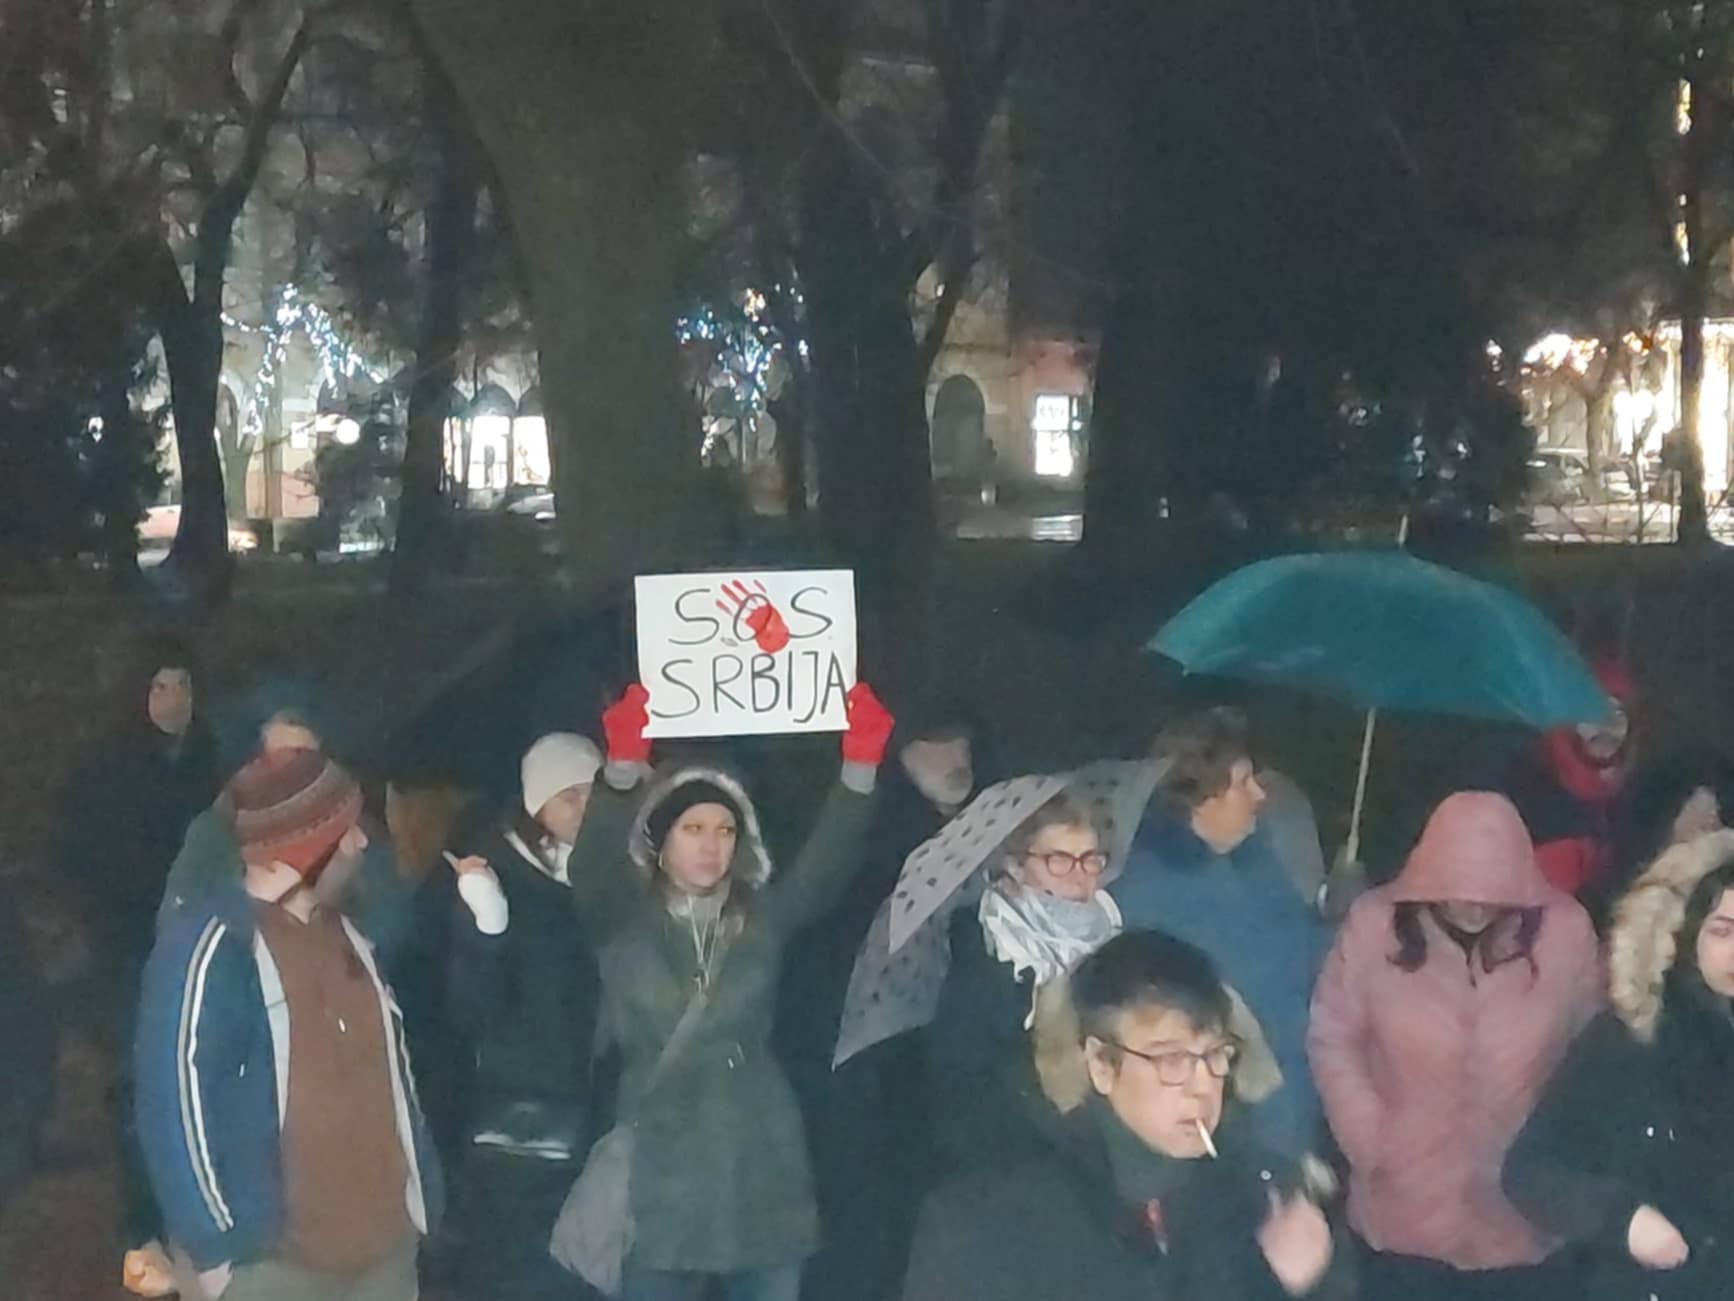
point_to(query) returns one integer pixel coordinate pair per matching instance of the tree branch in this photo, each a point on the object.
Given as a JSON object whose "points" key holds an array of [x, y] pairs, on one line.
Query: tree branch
{"points": [[973, 64], [232, 193], [100, 68], [309, 158], [932, 342], [230, 36], [168, 292]]}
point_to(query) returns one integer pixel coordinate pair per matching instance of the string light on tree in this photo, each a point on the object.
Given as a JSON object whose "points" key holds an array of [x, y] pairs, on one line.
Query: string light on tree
{"points": [[743, 375], [292, 313]]}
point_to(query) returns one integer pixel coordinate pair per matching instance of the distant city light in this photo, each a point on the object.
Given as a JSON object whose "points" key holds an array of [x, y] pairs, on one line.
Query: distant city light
{"points": [[1552, 351]]}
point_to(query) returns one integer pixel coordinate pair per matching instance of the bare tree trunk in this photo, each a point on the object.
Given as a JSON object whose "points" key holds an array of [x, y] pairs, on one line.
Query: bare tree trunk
{"points": [[238, 451], [1596, 391], [869, 368], [119, 453], [869, 416], [1128, 470], [272, 436], [790, 412], [1598, 415], [192, 338], [1693, 524], [191, 328], [451, 225], [581, 109]]}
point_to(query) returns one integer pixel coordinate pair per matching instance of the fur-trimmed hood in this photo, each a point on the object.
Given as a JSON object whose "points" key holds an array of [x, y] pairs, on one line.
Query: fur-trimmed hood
{"points": [[1065, 1078], [1643, 944], [752, 865]]}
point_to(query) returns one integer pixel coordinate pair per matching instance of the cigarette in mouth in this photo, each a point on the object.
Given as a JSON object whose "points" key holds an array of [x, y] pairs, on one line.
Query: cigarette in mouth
{"points": [[1204, 1136]]}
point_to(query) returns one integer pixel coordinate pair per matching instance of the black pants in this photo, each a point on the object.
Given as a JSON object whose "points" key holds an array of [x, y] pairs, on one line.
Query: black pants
{"points": [[140, 1219], [1411, 1278], [509, 1204], [874, 1163]]}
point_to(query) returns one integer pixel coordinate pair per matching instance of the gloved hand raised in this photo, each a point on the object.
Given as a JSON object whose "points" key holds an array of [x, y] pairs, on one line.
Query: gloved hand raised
{"points": [[870, 725], [624, 722]]}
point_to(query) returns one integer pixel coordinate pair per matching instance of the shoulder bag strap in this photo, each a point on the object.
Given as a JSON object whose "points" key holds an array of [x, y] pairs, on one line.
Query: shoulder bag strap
{"points": [[671, 1048]]}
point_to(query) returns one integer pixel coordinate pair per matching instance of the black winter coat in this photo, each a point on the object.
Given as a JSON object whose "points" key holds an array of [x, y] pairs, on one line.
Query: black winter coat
{"points": [[525, 1001], [1056, 1229], [123, 813], [1626, 1124], [867, 1121], [986, 1102], [822, 956]]}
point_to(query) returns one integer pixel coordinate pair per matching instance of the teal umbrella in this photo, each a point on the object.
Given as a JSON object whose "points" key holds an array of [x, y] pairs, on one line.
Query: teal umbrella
{"points": [[1384, 630]]}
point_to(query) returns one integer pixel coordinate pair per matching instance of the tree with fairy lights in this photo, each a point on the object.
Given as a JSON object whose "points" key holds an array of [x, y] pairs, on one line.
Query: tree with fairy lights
{"points": [[409, 248], [741, 369], [290, 317]]}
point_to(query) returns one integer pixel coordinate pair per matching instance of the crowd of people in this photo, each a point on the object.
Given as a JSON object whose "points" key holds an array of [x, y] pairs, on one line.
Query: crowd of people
{"points": [[1144, 1048]]}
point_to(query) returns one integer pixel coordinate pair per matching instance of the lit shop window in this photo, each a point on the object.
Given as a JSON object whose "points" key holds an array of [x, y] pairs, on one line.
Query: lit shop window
{"points": [[1055, 426]]}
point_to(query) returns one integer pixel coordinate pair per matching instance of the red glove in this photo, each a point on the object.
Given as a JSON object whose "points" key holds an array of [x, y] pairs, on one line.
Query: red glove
{"points": [[870, 725], [623, 723]]}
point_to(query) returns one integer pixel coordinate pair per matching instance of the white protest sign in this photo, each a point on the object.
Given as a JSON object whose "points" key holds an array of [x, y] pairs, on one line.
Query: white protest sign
{"points": [[746, 653]]}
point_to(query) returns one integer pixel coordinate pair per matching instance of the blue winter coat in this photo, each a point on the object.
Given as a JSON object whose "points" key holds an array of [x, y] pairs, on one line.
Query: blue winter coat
{"points": [[211, 1057], [1242, 909]]}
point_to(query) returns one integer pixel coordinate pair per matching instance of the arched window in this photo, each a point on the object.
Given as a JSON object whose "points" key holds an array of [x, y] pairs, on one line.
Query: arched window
{"points": [[959, 428]]}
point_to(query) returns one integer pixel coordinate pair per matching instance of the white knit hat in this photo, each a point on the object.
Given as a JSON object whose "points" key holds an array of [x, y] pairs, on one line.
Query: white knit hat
{"points": [[556, 762]]}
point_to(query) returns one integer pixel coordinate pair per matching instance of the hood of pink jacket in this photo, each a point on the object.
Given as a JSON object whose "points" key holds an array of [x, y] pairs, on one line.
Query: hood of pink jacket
{"points": [[1475, 849]]}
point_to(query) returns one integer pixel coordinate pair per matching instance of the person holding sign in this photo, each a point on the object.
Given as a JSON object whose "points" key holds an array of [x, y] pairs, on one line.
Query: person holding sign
{"points": [[691, 921]]}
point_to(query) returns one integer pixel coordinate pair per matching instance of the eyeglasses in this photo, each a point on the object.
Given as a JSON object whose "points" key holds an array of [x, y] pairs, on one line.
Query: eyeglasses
{"points": [[1060, 863], [1174, 1066]]}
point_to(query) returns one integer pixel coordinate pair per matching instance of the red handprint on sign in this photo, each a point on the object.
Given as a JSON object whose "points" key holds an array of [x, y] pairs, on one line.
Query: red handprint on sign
{"points": [[754, 609]]}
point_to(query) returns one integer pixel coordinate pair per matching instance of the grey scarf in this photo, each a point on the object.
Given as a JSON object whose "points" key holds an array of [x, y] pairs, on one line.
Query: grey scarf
{"points": [[1041, 933]]}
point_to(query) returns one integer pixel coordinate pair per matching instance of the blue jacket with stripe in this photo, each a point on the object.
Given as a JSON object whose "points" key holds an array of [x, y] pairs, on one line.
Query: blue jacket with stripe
{"points": [[211, 1056]]}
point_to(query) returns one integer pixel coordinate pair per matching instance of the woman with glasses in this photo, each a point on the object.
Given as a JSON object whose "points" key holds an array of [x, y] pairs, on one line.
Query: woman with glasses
{"points": [[1448, 1001], [1043, 910]]}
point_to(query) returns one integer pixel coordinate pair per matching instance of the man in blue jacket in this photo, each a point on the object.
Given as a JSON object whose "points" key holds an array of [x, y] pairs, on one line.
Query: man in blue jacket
{"points": [[1201, 870], [276, 1107]]}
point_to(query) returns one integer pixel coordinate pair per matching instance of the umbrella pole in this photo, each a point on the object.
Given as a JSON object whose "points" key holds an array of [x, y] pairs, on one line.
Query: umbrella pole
{"points": [[1352, 847]]}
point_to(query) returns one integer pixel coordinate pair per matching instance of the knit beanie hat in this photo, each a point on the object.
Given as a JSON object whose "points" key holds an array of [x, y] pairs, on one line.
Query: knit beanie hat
{"points": [[558, 761], [683, 797], [292, 807]]}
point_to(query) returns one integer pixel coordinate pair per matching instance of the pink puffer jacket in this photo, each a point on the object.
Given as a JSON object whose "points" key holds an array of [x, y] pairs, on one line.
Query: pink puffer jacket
{"points": [[1428, 1075]]}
